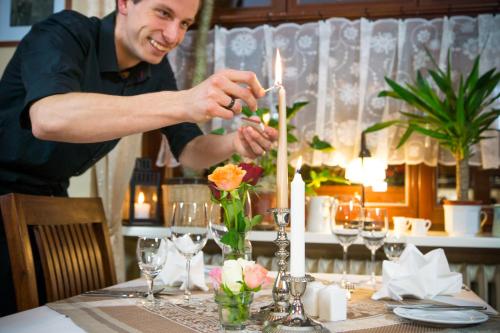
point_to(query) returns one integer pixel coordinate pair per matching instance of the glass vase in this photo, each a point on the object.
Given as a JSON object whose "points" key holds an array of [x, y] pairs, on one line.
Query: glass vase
{"points": [[229, 253], [234, 311]]}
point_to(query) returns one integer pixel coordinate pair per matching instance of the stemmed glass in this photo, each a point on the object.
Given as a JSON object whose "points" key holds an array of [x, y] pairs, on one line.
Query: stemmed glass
{"points": [[373, 232], [345, 224], [151, 256], [189, 232], [394, 246]]}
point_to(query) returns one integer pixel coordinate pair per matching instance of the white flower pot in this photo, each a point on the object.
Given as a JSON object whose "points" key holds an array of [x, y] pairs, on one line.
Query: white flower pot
{"points": [[463, 218]]}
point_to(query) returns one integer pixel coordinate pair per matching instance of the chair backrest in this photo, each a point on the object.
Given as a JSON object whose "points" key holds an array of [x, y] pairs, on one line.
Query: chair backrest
{"points": [[71, 237]]}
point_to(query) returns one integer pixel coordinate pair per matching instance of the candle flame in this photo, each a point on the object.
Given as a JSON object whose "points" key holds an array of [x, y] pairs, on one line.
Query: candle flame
{"points": [[299, 164], [266, 118], [140, 199], [278, 69]]}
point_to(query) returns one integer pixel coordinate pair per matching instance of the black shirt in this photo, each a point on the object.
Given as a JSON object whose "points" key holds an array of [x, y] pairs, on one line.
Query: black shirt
{"points": [[67, 52]]}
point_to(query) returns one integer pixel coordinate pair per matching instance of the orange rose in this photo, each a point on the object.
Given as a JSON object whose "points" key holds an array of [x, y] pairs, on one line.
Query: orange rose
{"points": [[228, 177]]}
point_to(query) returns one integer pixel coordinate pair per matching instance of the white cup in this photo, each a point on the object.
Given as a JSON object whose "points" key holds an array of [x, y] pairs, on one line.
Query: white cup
{"points": [[318, 217], [401, 224], [419, 227]]}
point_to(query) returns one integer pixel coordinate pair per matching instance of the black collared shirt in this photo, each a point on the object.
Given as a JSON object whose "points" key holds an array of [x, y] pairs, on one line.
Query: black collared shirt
{"points": [[67, 52]]}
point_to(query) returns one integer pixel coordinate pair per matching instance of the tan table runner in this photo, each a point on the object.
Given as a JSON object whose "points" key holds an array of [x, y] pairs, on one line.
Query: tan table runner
{"points": [[98, 314]]}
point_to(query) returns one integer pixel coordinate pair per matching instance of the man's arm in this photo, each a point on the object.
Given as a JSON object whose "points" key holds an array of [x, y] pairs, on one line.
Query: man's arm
{"points": [[89, 117], [207, 150]]}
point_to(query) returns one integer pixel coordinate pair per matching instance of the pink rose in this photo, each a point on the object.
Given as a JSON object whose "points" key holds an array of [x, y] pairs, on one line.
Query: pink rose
{"points": [[254, 172], [254, 275], [216, 277]]}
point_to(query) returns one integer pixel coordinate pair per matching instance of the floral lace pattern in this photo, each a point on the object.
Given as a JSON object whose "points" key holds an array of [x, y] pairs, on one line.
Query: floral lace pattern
{"points": [[339, 65]]}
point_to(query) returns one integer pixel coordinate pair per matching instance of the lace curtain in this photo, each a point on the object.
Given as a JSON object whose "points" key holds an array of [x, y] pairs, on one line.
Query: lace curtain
{"points": [[338, 65]]}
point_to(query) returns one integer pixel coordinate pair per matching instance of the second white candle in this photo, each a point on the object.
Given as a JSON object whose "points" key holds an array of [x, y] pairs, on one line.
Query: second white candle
{"points": [[297, 217]]}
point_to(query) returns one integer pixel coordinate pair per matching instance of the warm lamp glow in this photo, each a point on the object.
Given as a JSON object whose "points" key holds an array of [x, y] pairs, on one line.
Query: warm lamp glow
{"points": [[278, 70], [368, 171], [140, 198]]}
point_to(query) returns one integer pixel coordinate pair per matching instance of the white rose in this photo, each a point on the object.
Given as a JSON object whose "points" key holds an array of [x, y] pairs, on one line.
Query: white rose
{"points": [[232, 275], [244, 263]]}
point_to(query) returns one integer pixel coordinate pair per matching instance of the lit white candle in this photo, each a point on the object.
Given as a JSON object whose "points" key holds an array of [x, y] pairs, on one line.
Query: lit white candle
{"points": [[297, 217], [141, 209], [282, 159]]}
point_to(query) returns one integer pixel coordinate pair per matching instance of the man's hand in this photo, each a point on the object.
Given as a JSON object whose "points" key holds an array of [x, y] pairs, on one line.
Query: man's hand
{"points": [[211, 98], [251, 143]]}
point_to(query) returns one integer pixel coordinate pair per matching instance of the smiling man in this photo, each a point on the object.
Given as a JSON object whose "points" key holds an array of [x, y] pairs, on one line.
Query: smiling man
{"points": [[76, 85]]}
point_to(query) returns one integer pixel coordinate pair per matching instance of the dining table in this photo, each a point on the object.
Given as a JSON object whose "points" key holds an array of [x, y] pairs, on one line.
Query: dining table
{"points": [[101, 313]]}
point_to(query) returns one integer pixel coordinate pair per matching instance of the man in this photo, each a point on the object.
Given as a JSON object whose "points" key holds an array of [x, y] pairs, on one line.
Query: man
{"points": [[75, 85]]}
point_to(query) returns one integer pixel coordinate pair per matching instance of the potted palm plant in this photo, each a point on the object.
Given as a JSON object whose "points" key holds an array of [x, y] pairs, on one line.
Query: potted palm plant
{"points": [[456, 115]]}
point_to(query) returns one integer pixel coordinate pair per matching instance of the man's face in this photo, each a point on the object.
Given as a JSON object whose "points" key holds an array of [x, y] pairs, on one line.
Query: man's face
{"points": [[153, 27]]}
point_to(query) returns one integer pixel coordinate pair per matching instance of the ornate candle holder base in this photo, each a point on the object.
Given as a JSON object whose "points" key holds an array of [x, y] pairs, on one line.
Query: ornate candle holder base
{"points": [[296, 320], [281, 294]]}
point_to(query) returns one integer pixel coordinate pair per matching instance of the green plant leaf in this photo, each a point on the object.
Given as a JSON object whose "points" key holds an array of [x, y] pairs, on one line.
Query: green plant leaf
{"points": [[219, 131], [382, 125], [291, 138], [406, 135], [319, 144], [273, 123], [245, 110], [296, 107]]}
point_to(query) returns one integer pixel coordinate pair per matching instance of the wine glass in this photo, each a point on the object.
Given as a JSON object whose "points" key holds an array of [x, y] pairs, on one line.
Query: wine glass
{"points": [[394, 246], [373, 232], [189, 232], [345, 224], [151, 256]]}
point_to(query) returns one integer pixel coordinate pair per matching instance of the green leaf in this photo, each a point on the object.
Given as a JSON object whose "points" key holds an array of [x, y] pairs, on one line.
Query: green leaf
{"points": [[473, 75], [219, 131], [291, 138], [319, 144], [273, 123], [296, 107], [382, 125], [231, 238], [405, 137], [245, 110]]}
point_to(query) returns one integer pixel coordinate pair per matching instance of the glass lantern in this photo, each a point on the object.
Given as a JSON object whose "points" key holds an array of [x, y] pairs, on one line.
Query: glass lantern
{"points": [[145, 195]]}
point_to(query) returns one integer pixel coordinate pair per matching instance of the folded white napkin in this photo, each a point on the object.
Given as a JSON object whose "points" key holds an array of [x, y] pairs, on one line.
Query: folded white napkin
{"points": [[174, 271], [418, 275]]}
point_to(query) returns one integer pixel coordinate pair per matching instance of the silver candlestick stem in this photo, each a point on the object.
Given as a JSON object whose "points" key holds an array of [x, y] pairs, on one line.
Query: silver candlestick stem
{"points": [[296, 320], [281, 293]]}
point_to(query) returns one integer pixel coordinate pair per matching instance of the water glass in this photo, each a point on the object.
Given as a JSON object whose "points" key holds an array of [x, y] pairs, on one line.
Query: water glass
{"points": [[189, 233], [373, 232], [151, 256], [345, 223]]}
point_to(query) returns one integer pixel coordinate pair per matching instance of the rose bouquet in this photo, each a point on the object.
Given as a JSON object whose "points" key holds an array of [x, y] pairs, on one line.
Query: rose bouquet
{"points": [[234, 285], [230, 186]]}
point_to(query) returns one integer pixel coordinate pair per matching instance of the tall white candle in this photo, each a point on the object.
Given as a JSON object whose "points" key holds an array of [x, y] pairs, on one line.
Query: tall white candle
{"points": [[282, 158], [297, 217]]}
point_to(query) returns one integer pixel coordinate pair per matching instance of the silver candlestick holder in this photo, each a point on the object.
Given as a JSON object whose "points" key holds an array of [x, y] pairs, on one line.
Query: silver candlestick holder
{"points": [[296, 320], [281, 294]]}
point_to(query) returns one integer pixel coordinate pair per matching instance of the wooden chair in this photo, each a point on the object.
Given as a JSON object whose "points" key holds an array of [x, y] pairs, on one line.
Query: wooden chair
{"points": [[71, 237]]}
